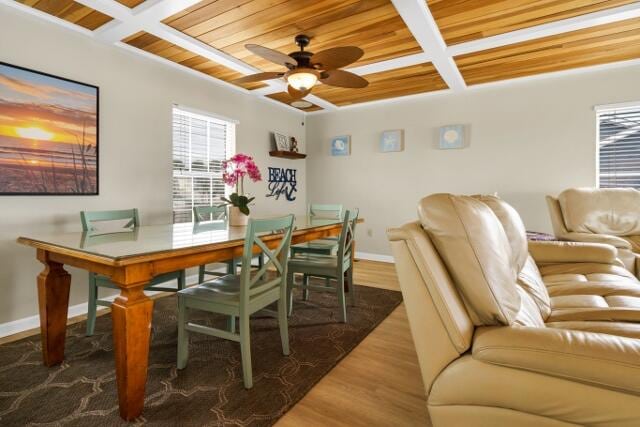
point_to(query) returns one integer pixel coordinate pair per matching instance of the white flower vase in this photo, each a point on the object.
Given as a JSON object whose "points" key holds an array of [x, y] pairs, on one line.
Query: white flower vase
{"points": [[237, 218]]}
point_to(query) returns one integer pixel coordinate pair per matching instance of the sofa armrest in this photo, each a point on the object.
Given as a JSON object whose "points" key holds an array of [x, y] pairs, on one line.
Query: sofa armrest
{"points": [[544, 252], [608, 239], [599, 359]]}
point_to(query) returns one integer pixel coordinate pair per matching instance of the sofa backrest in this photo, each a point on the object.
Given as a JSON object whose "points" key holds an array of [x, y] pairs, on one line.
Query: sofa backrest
{"points": [[529, 277], [476, 251], [614, 211]]}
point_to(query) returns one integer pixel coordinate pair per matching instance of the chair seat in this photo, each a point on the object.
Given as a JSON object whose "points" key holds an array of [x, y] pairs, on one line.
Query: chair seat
{"points": [[315, 260], [322, 246], [225, 289]]}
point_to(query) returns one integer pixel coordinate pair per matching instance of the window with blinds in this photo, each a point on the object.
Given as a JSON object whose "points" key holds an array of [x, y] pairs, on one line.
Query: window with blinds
{"points": [[200, 144], [619, 146]]}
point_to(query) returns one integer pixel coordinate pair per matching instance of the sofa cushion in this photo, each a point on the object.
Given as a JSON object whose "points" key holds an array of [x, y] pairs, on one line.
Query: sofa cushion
{"points": [[613, 211], [621, 329], [477, 253]]}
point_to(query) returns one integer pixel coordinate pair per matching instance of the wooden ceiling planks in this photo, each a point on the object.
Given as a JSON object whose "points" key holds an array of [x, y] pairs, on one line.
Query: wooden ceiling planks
{"points": [[131, 3], [465, 20], [157, 46], [387, 84], [372, 25], [285, 98], [603, 44], [70, 11]]}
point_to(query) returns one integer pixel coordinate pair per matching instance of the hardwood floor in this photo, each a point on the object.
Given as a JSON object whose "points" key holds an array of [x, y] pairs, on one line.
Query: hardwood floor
{"points": [[377, 384]]}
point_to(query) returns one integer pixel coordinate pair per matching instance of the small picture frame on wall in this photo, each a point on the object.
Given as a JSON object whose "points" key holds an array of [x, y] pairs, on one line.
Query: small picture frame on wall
{"points": [[282, 141], [341, 145], [452, 137], [392, 141]]}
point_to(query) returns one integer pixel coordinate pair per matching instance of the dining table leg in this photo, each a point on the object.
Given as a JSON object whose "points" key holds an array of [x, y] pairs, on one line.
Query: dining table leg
{"points": [[53, 302], [131, 312]]}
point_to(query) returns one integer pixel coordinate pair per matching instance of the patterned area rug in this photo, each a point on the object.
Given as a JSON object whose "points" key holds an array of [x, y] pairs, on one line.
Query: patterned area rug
{"points": [[209, 392]]}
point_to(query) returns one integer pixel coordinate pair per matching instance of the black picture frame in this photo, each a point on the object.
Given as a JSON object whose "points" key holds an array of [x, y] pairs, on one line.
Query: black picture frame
{"points": [[96, 192]]}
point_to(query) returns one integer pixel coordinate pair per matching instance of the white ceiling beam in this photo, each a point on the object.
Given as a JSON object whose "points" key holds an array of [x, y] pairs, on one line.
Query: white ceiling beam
{"points": [[391, 64], [418, 18], [589, 20], [130, 21]]}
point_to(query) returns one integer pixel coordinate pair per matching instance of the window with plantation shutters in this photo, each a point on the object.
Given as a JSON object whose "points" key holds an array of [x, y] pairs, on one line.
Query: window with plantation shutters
{"points": [[619, 146], [200, 144]]}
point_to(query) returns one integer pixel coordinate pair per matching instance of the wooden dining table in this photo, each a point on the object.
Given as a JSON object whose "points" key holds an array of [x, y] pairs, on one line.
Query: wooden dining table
{"points": [[131, 258]]}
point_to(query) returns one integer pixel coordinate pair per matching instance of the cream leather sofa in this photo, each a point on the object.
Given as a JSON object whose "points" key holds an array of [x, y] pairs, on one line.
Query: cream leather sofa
{"points": [[609, 216], [510, 333]]}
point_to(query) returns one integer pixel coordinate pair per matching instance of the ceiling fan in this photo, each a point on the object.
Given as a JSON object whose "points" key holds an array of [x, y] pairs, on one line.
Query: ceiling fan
{"points": [[305, 68]]}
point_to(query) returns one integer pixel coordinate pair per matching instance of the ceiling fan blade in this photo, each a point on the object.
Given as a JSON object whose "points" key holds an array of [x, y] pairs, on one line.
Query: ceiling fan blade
{"points": [[337, 57], [297, 94], [258, 77], [343, 78], [272, 55]]}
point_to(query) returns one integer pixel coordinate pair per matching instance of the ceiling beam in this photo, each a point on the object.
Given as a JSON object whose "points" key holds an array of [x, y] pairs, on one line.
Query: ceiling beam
{"points": [[589, 20], [130, 21], [418, 18]]}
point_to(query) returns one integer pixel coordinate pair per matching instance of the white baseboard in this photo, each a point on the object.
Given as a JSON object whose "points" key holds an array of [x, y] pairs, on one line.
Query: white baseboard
{"points": [[32, 322], [374, 257]]}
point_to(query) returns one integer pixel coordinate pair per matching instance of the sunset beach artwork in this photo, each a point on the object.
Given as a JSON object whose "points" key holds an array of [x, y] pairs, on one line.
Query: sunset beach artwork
{"points": [[48, 134]]}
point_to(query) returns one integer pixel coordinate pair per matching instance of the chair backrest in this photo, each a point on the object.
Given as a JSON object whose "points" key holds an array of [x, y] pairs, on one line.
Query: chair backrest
{"points": [[266, 278], [209, 213], [89, 219], [325, 211], [347, 236], [611, 211]]}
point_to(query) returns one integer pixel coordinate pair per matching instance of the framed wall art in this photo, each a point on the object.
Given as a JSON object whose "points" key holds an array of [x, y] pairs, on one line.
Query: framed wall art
{"points": [[48, 134], [341, 145], [392, 140]]}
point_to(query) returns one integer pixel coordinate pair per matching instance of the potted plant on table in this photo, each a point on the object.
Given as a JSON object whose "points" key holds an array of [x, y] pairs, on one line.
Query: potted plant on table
{"points": [[234, 171]]}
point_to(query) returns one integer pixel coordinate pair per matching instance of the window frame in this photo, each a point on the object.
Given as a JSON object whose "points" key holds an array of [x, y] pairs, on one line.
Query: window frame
{"points": [[230, 148], [607, 109]]}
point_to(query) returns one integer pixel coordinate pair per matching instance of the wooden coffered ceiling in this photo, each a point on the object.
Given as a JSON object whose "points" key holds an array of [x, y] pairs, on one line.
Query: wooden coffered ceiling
{"points": [[411, 46]]}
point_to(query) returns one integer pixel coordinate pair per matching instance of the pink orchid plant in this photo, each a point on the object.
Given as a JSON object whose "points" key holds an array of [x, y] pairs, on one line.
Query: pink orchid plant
{"points": [[234, 171]]}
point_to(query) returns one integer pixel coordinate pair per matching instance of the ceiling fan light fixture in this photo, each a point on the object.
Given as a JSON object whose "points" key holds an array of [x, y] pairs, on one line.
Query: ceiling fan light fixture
{"points": [[302, 79]]}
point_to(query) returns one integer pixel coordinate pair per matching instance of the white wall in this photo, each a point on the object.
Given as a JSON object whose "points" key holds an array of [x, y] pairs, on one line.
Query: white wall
{"points": [[136, 96], [527, 139]]}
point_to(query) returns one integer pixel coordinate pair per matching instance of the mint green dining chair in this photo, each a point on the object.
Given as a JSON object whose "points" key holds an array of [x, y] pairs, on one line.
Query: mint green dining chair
{"points": [[329, 267], [213, 213], [326, 246], [130, 220], [241, 296]]}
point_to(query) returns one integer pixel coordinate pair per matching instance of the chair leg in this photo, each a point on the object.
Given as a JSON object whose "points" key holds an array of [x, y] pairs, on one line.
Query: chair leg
{"points": [[182, 279], [283, 324], [183, 337], [93, 305], [260, 260], [231, 324], [290, 283], [341, 298], [352, 286], [305, 287], [231, 266], [245, 351], [201, 274]]}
